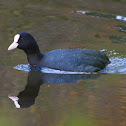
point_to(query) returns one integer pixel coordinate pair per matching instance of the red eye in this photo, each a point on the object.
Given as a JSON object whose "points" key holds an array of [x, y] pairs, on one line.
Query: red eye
{"points": [[21, 38]]}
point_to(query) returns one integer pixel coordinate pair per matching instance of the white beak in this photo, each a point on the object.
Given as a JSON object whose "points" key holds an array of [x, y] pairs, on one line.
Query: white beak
{"points": [[15, 99], [13, 46]]}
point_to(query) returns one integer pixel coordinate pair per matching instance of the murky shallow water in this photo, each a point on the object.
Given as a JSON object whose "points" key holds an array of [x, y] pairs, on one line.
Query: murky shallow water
{"points": [[50, 98]]}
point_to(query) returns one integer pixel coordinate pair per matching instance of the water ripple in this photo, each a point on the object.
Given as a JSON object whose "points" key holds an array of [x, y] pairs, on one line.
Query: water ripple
{"points": [[27, 68], [117, 66], [102, 15]]}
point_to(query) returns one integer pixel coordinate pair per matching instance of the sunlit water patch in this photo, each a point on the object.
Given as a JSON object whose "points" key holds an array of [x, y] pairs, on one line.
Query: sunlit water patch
{"points": [[102, 15]]}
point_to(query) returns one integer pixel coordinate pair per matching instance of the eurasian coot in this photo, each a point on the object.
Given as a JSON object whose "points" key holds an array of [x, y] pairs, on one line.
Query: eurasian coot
{"points": [[79, 60]]}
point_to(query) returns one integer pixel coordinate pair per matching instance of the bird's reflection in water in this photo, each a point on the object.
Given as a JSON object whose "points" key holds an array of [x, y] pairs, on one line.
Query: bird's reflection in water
{"points": [[26, 98]]}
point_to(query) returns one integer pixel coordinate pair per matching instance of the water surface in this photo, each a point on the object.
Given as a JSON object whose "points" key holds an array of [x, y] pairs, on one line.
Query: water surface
{"points": [[52, 99]]}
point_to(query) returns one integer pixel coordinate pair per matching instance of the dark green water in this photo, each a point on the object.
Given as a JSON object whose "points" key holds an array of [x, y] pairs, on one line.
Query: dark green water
{"points": [[54, 24]]}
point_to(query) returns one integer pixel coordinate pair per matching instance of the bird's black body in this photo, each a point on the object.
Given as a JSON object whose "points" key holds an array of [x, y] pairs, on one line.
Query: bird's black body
{"points": [[81, 60], [75, 60]]}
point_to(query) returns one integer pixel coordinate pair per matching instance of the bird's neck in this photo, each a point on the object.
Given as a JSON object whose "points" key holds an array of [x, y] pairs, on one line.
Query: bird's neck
{"points": [[34, 55], [34, 58], [32, 50]]}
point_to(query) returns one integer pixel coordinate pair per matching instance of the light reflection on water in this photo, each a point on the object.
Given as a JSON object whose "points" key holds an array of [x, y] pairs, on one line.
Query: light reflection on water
{"points": [[102, 15], [27, 97]]}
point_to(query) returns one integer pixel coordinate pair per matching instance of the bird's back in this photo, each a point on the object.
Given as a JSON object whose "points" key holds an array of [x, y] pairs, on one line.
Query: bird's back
{"points": [[87, 60]]}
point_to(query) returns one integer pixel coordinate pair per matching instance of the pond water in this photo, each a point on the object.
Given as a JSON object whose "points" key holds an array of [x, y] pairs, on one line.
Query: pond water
{"points": [[55, 98]]}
